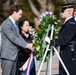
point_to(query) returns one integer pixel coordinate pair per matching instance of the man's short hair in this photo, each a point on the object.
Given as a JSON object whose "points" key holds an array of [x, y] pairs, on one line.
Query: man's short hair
{"points": [[15, 8]]}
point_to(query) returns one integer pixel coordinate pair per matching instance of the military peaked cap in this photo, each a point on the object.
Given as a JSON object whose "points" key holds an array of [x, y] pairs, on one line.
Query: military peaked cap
{"points": [[66, 6]]}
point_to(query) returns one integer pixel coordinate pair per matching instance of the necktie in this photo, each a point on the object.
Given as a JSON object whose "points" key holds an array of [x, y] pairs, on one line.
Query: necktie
{"points": [[15, 26]]}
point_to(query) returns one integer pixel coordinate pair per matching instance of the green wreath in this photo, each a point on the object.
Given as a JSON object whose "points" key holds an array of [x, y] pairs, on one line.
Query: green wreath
{"points": [[47, 18]]}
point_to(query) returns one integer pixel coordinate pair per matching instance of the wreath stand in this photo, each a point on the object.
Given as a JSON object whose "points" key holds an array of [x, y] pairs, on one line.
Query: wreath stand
{"points": [[50, 55]]}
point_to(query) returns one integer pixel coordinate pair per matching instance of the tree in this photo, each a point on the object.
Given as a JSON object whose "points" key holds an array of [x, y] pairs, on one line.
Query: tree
{"points": [[4, 8], [33, 8], [69, 1], [40, 6]]}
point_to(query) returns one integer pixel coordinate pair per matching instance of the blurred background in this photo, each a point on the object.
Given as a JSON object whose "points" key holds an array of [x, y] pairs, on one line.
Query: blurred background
{"points": [[31, 12], [32, 8]]}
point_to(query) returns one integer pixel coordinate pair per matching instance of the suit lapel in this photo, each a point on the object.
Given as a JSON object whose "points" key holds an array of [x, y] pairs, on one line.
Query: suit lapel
{"points": [[16, 32]]}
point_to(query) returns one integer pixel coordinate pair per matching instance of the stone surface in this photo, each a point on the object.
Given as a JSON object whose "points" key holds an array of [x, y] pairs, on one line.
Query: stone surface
{"points": [[55, 65]]}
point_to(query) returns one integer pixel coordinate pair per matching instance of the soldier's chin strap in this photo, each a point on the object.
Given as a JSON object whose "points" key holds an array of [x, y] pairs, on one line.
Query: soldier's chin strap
{"points": [[72, 49]]}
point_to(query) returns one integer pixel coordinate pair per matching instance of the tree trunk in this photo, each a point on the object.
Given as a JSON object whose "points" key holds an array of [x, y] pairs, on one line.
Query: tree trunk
{"points": [[44, 6]]}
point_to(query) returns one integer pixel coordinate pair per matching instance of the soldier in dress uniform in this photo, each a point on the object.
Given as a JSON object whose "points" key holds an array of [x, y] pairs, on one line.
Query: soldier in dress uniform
{"points": [[67, 40]]}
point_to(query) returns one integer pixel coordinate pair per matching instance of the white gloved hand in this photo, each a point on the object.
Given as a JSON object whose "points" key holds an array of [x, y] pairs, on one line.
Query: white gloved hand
{"points": [[47, 39]]}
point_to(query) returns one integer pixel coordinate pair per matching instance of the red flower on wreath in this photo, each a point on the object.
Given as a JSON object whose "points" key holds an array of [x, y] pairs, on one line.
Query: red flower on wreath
{"points": [[47, 18], [74, 10], [37, 28]]}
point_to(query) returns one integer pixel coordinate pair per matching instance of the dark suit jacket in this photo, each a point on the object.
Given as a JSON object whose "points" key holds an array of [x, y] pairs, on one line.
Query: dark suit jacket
{"points": [[67, 34]]}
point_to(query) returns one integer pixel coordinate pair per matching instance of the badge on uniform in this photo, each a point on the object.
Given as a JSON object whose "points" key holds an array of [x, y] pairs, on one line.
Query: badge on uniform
{"points": [[72, 23]]}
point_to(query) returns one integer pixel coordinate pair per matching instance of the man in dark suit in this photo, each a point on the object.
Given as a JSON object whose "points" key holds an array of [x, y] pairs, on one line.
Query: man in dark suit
{"points": [[10, 41], [67, 40]]}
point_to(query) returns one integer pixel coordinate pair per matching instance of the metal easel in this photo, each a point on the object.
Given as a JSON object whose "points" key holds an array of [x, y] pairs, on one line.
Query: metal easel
{"points": [[50, 58]]}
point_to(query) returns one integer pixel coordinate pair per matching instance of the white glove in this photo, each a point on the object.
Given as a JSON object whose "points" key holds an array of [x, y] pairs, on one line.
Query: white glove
{"points": [[47, 39]]}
